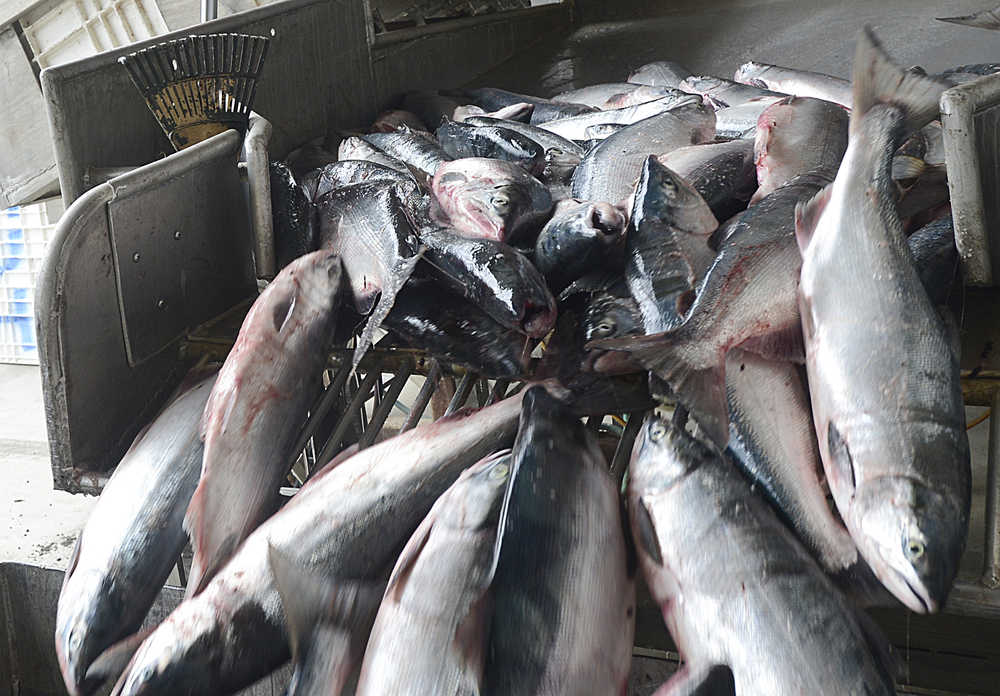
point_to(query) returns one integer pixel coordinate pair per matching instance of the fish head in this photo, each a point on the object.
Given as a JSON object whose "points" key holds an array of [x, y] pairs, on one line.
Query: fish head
{"points": [[664, 453], [912, 537], [578, 231], [609, 316], [318, 278], [559, 166], [491, 198], [474, 500], [85, 628], [183, 655], [664, 196]]}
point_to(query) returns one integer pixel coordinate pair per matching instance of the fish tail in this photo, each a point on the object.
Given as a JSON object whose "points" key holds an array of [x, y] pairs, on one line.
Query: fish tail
{"points": [[701, 386], [401, 272], [878, 80], [987, 19]]}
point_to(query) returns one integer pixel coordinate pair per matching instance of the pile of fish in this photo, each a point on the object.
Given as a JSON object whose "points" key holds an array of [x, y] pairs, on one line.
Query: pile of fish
{"points": [[775, 252]]}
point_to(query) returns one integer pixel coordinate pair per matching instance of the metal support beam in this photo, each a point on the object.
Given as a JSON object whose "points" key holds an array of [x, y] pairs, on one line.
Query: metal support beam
{"points": [[991, 546]]}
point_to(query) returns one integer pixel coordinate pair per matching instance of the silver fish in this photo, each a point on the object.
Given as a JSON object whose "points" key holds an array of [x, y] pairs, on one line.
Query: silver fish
{"points": [[546, 139], [984, 19], [633, 97], [749, 610], [722, 92], [257, 406], [575, 127], [417, 149], [390, 121], [663, 73], [886, 396], [491, 198], [723, 173], [609, 171], [595, 95], [771, 434], [740, 122], [346, 172], [564, 593], [798, 135], [432, 627], [349, 521], [580, 237], [132, 538], [369, 226], [666, 245], [800, 83], [747, 298], [357, 148]]}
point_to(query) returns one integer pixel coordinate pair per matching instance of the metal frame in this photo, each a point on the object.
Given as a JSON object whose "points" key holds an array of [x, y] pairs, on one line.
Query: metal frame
{"points": [[970, 118]]}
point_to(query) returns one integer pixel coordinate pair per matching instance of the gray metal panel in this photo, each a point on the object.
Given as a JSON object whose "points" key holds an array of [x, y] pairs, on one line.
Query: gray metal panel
{"points": [[28, 165], [28, 665], [95, 400], [317, 74], [180, 256], [970, 116], [453, 53]]}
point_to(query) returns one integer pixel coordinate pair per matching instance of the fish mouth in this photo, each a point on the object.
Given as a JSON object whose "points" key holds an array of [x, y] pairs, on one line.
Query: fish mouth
{"points": [[920, 602]]}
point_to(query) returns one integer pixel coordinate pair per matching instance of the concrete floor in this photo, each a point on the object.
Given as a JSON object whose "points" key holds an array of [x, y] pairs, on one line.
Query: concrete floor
{"points": [[37, 524]]}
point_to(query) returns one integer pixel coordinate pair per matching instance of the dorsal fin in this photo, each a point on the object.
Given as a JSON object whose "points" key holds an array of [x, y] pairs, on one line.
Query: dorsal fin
{"points": [[807, 214]]}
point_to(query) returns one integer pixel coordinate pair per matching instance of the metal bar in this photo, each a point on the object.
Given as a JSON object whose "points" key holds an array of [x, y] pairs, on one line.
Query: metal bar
{"points": [[482, 391], [209, 10], [259, 184], [462, 393], [181, 575], [326, 454], [319, 411], [624, 450], [423, 397], [392, 393], [991, 546], [499, 391], [454, 25]]}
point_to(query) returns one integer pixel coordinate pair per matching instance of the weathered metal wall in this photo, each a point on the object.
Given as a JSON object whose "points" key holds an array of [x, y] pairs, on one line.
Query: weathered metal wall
{"points": [[317, 67], [27, 164], [412, 59]]}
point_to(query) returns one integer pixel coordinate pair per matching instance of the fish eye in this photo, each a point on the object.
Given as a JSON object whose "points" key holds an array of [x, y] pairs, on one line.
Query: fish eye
{"points": [[657, 431], [914, 549], [500, 200], [75, 640], [499, 472], [605, 328]]}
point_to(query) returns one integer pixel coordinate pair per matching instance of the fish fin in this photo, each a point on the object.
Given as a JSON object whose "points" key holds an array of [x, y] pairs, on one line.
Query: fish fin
{"points": [[807, 214], [702, 389], [879, 80], [400, 273], [717, 680], [907, 167], [113, 662], [987, 19], [408, 558], [782, 345], [648, 538], [309, 599]]}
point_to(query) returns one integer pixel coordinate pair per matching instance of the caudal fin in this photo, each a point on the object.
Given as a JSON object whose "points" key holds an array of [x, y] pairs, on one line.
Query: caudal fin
{"points": [[878, 80], [700, 387], [987, 19], [113, 662]]}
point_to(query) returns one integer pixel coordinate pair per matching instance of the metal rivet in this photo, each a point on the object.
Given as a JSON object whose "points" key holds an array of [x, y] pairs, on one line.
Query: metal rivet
{"points": [[136, 257], [177, 234], [161, 304]]}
